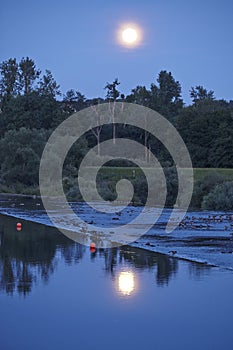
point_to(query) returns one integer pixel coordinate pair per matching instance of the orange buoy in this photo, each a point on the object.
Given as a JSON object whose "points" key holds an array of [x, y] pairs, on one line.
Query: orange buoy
{"points": [[92, 247], [19, 226]]}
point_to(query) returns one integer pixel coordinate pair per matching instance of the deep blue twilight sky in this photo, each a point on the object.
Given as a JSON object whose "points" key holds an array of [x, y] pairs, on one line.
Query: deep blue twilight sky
{"points": [[76, 40]]}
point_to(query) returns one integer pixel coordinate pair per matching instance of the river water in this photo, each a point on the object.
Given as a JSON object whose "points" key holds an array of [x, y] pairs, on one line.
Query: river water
{"points": [[57, 294], [205, 236]]}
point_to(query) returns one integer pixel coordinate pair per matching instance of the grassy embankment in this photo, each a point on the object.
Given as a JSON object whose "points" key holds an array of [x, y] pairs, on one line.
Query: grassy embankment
{"points": [[113, 174]]}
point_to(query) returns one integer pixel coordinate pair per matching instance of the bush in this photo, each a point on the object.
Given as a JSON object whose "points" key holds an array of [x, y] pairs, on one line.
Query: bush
{"points": [[204, 186], [73, 193], [220, 198], [20, 152]]}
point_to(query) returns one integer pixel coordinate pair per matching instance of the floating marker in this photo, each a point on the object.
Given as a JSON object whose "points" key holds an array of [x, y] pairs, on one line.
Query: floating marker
{"points": [[19, 226], [92, 247]]}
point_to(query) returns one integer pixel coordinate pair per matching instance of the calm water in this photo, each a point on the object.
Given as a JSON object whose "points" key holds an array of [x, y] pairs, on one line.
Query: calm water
{"points": [[56, 294]]}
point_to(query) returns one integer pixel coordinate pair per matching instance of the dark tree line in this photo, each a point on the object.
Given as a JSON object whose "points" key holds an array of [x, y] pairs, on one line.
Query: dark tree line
{"points": [[31, 106]]}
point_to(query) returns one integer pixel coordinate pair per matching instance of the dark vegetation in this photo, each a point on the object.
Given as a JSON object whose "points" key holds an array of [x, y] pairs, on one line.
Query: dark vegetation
{"points": [[32, 106]]}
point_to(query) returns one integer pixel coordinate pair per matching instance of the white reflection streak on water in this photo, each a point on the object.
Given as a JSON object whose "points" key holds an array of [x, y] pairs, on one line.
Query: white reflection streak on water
{"points": [[126, 282]]}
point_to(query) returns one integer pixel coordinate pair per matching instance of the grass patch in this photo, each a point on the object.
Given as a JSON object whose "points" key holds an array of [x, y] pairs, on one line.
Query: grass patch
{"points": [[201, 172], [131, 172]]}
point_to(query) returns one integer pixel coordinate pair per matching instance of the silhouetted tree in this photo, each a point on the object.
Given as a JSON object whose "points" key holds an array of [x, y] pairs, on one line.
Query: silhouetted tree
{"points": [[199, 93], [73, 101], [112, 92], [48, 85], [9, 85], [28, 74]]}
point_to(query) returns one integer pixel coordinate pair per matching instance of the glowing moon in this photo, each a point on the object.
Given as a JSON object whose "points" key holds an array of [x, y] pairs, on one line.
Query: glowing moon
{"points": [[129, 35]]}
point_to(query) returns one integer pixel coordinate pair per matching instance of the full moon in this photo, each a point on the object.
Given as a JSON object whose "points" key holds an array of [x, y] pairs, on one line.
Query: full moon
{"points": [[129, 35]]}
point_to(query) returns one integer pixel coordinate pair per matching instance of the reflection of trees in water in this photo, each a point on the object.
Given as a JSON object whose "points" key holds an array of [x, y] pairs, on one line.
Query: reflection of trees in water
{"points": [[31, 254], [141, 259], [198, 270], [167, 267], [73, 253], [111, 259]]}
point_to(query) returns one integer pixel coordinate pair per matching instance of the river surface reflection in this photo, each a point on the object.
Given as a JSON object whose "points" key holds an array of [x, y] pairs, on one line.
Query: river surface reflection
{"points": [[56, 294]]}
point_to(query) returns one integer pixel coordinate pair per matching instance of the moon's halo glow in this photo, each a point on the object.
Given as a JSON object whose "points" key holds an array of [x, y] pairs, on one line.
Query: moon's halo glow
{"points": [[129, 35]]}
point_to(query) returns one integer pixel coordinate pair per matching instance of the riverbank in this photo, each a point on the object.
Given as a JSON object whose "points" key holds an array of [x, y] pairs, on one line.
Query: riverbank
{"points": [[206, 181]]}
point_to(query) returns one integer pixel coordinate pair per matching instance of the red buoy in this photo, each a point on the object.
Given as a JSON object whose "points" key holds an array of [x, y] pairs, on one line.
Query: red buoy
{"points": [[92, 247], [19, 226]]}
